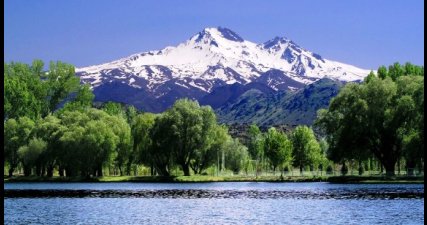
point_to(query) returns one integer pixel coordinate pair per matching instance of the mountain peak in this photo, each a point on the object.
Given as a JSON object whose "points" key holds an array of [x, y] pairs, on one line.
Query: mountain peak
{"points": [[229, 34], [276, 41], [218, 32], [214, 57]]}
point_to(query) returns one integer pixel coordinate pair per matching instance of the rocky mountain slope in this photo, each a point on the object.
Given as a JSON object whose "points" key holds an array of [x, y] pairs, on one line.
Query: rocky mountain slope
{"points": [[212, 58], [280, 108]]}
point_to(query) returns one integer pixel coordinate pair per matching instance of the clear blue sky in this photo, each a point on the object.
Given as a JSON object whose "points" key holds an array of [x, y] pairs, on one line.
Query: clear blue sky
{"points": [[365, 33]]}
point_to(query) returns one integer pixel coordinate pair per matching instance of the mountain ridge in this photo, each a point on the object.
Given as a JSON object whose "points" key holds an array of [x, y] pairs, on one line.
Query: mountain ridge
{"points": [[212, 58]]}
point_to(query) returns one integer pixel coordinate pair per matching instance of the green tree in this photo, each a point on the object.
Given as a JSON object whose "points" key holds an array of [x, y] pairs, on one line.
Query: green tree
{"points": [[343, 145], [123, 148], [411, 133], [114, 108], [24, 92], [61, 81], [190, 127], [324, 148], [161, 148], [31, 92], [90, 141], [236, 155], [141, 129], [71, 141], [98, 144], [208, 154], [82, 101], [278, 148], [306, 148], [30, 154], [395, 71], [131, 114], [50, 131], [382, 72], [374, 116], [256, 145], [370, 76], [16, 134]]}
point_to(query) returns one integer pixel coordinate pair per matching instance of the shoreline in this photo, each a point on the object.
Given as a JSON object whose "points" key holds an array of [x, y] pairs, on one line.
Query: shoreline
{"points": [[206, 179]]}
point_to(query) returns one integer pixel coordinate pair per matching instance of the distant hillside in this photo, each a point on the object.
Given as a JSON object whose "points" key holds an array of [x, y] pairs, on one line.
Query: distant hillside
{"points": [[230, 93], [280, 108]]}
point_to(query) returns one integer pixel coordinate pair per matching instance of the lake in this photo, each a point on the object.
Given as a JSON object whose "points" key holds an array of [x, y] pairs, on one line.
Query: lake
{"points": [[213, 203]]}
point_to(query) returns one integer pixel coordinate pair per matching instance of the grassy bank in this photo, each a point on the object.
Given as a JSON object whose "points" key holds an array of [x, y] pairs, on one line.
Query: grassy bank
{"points": [[193, 179]]}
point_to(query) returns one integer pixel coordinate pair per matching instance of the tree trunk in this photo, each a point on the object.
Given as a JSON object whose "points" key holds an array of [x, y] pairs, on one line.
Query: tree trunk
{"points": [[100, 174], [11, 172], [162, 171], [120, 170], [200, 170], [49, 171], [60, 171], [194, 169], [300, 169], [128, 168], [256, 169], [344, 169], [27, 171], [410, 165], [69, 172], [186, 169], [38, 170], [398, 166], [152, 170], [389, 168], [43, 170]]}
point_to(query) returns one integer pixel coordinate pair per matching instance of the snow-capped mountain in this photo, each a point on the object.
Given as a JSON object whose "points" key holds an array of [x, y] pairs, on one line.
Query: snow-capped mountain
{"points": [[215, 57]]}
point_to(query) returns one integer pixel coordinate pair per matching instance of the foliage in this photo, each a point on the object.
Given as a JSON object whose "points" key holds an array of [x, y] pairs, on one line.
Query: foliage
{"points": [[30, 154], [306, 148], [256, 142], [16, 134], [31, 92], [82, 101], [377, 117], [278, 148], [383, 116], [24, 91], [141, 131], [188, 127], [114, 108], [160, 150], [236, 155], [207, 156]]}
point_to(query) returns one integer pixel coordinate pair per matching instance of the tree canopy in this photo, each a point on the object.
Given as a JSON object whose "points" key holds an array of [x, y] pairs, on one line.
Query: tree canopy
{"points": [[380, 116]]}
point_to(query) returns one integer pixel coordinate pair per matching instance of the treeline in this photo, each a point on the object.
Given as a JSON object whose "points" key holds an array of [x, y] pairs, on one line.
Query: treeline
{"points": [[50, 125], [381, 118], [76, 139]]}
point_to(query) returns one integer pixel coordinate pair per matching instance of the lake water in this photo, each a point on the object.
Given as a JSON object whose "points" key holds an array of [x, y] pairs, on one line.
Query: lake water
{"points": [[213, 203]]}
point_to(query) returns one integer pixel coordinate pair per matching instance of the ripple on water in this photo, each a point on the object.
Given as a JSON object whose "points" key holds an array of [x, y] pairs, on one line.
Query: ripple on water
{"points": [[250, 203]]}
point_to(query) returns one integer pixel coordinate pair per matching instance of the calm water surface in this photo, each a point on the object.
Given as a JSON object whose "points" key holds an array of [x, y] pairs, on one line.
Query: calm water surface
{"points": [[289, 210]]}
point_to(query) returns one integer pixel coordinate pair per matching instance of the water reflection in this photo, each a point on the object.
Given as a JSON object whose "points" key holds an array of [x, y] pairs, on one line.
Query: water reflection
{"points": [[280, 203]]}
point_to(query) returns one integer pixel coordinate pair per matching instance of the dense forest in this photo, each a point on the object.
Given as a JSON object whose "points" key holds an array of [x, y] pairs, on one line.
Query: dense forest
{"points": [[51, 125]]}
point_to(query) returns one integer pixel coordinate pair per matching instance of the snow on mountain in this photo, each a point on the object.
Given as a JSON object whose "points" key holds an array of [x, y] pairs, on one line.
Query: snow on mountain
{"points": [[216, 57]]}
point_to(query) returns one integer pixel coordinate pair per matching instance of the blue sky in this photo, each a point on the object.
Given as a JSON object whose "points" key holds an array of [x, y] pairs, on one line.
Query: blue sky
{"points": [[363, 33]]}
